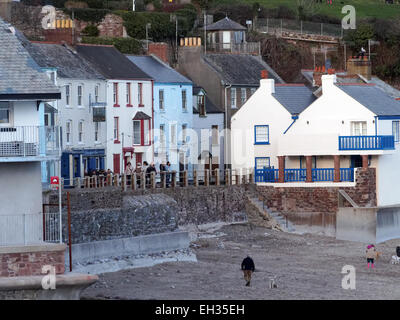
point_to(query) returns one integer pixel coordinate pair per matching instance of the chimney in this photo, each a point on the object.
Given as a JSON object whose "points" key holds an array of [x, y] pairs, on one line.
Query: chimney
{"points": [[328, 81], [267, 86], [264, 74], [359, 66], [159, 49]]}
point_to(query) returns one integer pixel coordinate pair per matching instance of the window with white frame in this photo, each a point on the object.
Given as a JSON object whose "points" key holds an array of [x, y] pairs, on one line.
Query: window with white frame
{"points": [[173, 134], [96, 131], [116, 128], [80, 91], [396, 130], [261, 134], [140, 94], [68, 131], [146, 132], [214, 135], [358, 128], [162, 135], [201, 107], [128, 94], [137, 137], [184, 100], [184, 129], [233, 98], [252, 90], [5, 112], [115, 93], [262, 162], [67, 94], [80, 131], [243, 95], [161, 99]]}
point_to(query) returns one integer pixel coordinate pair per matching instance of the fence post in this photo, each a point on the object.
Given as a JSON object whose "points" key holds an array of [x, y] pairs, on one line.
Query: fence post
{"points": [[116, 182], [267, 24], [195, 181], [173, 179], [206, 177], [153, 180], [244, 176], [143, 180], [134, 181], [163, 179], [281, 28], [227, 177], [321, 28], [251, 176], [123, 182], [95, 182], [301, 27], [108, 180], [237, 176], [216, 177], [185, 178]]}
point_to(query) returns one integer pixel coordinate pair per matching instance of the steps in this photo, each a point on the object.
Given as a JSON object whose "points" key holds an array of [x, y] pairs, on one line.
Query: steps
{"points": [[260, 215]]}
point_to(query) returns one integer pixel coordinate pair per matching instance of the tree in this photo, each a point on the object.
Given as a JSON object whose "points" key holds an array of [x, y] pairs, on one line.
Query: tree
{"points": [[306, 8]]}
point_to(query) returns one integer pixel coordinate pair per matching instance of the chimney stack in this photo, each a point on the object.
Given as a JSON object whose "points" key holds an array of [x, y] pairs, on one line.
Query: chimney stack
{"points": [[159, 49], [328, 81], [264, 74]]}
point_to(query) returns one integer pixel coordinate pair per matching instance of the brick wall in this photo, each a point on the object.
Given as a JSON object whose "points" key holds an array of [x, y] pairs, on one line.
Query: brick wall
{"points": [[318, 205], [23, 263]]}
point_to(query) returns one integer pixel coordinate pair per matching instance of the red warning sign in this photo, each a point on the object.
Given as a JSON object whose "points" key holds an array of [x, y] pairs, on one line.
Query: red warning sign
{"points": [[54, 180]]}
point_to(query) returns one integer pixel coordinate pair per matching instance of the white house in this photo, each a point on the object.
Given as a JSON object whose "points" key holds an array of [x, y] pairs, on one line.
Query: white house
{"points": [[25, 141], [81, 110], [129, 107], [258, 125], [208, 123], [351, 125]]}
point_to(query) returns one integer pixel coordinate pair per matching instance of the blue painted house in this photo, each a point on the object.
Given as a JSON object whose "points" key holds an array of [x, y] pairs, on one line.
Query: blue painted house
{"points": [[173, 112]]}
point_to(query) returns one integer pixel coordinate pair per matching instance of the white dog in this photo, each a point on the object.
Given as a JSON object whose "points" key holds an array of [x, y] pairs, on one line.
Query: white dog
{"points": [[395, 260]]}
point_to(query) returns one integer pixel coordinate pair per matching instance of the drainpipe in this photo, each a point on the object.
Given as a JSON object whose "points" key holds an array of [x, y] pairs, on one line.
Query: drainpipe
{"points": [[226, 124], [152, 115], [376, 125], [294, 120]]}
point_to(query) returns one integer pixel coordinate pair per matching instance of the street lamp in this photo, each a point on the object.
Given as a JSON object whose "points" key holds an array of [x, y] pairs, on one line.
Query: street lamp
{"points": [[148, 26]]}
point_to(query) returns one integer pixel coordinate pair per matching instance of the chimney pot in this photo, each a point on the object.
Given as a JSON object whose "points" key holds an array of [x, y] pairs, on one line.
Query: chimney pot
{"points": [[264, 74]]}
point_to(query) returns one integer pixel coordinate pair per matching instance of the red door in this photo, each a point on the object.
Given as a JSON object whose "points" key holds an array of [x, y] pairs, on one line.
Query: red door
{"points": [[139, 158], [117, 163]]}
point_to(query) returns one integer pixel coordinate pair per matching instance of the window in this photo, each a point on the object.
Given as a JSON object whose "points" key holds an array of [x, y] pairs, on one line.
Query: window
{"points": [[96, 93], [261, 134], [161, 99], [80, 132], [214, 137], [68, 130], [67, 94], [146, 132], [116, 129], [359, 128], [4, 112], [396, 130], [173, 134], [184, 105], [46, 119], [201, 105], [80, 95], [184, 127], [233, 98], [262, 162], [162, 135], [137, 137], [96, 131], [140, 94], [115, 94], [243, 95], [128, 94], [252, 90]]}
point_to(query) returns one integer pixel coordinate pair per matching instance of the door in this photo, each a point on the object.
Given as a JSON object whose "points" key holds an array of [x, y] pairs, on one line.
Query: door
{"points": [[226, 39], [116, 160], [139, 158], [356, 161]]}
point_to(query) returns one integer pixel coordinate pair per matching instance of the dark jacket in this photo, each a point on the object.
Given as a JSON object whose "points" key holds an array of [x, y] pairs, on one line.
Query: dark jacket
{"points": [[248, 264], [150, 169]]}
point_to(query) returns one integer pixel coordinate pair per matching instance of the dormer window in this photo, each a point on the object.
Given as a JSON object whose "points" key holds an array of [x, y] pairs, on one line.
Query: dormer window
{"points": [[5, 111], [201, 105]]}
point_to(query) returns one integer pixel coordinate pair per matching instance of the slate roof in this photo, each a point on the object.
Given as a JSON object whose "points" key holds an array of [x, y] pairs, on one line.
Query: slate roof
{"points": [[295, 98], [159, 71], [111, 63], [372, 98], [240, 69], [20, 76], [141, 116], [210, 107], [225, 24], [68, 63]]}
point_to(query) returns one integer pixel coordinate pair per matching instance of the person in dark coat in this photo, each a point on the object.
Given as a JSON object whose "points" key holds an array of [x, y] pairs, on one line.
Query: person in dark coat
{"points": [[248, 268]]}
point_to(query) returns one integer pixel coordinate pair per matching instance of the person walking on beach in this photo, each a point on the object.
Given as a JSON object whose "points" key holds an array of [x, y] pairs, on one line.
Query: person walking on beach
{"points": [[370, 255], [248, 268]]}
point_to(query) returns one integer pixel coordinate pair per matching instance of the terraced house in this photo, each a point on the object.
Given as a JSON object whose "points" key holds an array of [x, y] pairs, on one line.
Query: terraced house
{"points": [[128, 107], [81, 110]]}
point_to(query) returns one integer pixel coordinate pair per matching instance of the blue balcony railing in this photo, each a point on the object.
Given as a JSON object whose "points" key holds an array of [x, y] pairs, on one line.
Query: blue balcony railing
{"points": [[266, 175], [366, 142], [347, 174], [323, 174], [295, 175]]}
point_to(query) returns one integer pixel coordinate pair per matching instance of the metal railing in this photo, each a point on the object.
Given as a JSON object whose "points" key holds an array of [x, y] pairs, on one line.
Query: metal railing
{"points": [[347, 174], [295, 175], [283, 26], [28, 141], [245, 47], [266, 175], [366, 143], [29, 228], [323, 174]]}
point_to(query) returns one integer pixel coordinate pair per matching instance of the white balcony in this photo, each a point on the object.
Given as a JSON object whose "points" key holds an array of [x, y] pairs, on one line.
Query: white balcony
{"points": [[28, 143]]}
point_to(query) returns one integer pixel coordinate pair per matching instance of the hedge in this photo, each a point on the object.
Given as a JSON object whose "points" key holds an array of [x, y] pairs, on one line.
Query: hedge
{"points": [[124, 45]]}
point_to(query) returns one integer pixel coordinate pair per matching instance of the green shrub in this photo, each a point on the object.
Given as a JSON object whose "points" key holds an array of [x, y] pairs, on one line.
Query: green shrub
{"points": [[90, 31], [124, 45], [88, 14]]}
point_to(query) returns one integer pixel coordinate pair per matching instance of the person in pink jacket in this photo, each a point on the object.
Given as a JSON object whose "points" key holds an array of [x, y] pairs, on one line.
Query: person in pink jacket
{"points": [[370, 255]]}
